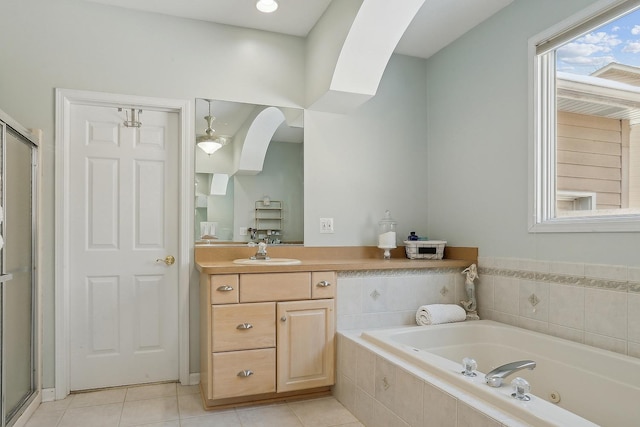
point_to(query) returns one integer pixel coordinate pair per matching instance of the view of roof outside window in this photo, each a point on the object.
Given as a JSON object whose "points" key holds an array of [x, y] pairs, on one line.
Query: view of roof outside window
{"points": [[598, 121]]}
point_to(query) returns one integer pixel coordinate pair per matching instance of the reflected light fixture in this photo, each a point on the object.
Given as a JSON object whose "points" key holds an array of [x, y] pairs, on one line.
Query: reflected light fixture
{"points": [[266, 6], [208, 142]]}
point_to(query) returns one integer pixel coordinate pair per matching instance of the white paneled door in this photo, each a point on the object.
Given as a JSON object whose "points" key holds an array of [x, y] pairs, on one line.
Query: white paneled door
{"points": [[123, 226]]}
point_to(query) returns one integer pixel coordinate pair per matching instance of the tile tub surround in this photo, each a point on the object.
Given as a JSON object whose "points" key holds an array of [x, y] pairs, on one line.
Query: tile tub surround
{"points": [[372, 299], [382, 390], [593, 304]]}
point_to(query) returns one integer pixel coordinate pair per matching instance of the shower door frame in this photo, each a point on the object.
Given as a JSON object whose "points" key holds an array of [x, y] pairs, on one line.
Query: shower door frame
{"points": [[32, 400]]}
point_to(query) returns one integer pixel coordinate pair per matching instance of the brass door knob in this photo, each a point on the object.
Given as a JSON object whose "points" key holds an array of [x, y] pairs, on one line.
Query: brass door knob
{"points": [[169, 260]]}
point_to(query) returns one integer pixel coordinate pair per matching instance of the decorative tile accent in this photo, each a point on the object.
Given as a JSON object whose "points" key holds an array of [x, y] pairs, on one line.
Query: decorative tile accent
{"points": [[399, 272], [375, 294], [444, 291], [385, 383], [562, 279], [533, 300]]}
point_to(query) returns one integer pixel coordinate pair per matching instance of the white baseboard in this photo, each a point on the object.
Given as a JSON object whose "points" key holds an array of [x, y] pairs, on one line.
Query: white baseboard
{"points": [[194, 378], [48, 394]]}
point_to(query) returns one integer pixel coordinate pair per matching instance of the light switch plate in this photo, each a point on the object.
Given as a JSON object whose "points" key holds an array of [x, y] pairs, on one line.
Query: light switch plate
{"points": [[326, 225]]}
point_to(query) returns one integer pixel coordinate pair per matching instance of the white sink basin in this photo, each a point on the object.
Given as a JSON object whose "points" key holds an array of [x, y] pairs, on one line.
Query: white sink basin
{"points": [[270, 261]]}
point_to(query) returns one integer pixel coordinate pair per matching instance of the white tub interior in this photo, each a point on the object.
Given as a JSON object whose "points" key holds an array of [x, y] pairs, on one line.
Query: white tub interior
{"points": [[600, 386]]}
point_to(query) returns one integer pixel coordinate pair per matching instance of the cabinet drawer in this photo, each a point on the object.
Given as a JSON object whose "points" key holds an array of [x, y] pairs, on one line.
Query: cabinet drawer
{"points": [[323, 284], [224, 289], [243, 326], [243, 373], [275, 287]]}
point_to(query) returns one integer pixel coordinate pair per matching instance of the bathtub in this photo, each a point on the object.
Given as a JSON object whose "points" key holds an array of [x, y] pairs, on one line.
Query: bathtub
{"points": [[593, 385]]}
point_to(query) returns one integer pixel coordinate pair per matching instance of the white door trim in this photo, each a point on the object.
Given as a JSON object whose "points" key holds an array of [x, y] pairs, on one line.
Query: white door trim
{"points": [[64, 99]]}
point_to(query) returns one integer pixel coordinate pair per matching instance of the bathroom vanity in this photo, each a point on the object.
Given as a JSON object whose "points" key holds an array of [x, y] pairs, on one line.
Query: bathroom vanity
{"points": [[266, 335], [267, 331]]}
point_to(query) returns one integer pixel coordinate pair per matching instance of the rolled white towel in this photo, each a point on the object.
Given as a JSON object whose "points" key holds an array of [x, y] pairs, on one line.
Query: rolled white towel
{"points": [[434, 314]]}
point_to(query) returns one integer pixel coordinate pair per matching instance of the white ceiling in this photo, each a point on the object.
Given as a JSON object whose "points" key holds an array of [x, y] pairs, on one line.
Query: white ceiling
{"points": [[438, 23]]}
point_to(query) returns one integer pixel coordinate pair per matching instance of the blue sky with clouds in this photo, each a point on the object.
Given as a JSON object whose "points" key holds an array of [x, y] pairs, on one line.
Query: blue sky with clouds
{"points": [[618, 42]]}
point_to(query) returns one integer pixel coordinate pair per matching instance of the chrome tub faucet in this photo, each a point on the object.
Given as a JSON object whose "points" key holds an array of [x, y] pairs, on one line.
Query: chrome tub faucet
{"points": [[495, 377]]}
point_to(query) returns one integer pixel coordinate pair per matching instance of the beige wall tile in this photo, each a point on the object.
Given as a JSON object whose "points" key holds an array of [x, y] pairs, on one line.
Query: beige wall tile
{"points": [[385, 385], [384, 417], [345, 392], [439, 408], [366, 370], [566, 305], [633, 301], [505, 293], [606, 343], [576, 335], [364, 407], [541, 310], [408, 398], [484, 292], [348, 357], [606, 313], [469, 417]]}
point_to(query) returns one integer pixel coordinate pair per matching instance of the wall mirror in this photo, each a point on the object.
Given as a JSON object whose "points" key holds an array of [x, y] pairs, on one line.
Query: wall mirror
{"points": [[251, 186]]}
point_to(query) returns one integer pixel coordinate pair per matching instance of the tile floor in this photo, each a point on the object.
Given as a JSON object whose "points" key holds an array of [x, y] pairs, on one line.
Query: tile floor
{"points": [[173, 405]]}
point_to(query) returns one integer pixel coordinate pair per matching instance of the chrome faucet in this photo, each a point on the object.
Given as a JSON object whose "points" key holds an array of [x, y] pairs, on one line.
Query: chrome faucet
{"points": [[262, 252], [495, 377]]}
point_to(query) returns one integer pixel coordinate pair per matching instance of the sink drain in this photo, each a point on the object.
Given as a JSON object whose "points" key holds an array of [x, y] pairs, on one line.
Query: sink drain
{"points": [[554, 397]]}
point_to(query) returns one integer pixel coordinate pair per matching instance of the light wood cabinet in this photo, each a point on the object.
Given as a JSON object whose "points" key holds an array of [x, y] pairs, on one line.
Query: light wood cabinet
{"points": [[242, 373], [305, 344], [266, 336], [243, 326]]}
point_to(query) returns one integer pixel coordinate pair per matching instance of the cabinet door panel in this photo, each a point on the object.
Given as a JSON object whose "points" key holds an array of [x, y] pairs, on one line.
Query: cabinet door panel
{"points": [[305, 354], [243, 326]]}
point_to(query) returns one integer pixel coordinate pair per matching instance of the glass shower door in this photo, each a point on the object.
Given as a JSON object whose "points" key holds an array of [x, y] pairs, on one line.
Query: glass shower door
{"points": [[18, 296]]}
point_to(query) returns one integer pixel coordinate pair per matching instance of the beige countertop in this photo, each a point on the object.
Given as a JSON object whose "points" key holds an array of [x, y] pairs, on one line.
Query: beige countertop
{"points": [[219, 259]]}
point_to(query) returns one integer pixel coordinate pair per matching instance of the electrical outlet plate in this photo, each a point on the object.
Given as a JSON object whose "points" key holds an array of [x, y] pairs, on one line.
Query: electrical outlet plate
{"points": [[326, 225]]}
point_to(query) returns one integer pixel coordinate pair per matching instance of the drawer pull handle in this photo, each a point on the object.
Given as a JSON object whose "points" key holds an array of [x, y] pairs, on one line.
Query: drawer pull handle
{"points": [[244, 326], [245, 373], [225, 288], [323, 284]]}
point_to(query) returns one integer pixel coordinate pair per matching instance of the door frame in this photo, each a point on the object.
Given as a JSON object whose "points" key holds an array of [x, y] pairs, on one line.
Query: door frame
{"points": [[65, 98]]}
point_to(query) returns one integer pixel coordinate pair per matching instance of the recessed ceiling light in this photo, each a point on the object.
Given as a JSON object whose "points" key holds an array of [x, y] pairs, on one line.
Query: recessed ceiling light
{"points": [[266, 6]]}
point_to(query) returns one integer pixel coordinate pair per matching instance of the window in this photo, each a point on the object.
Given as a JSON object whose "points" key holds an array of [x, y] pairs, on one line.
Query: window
{"points": [[586, 122]]}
